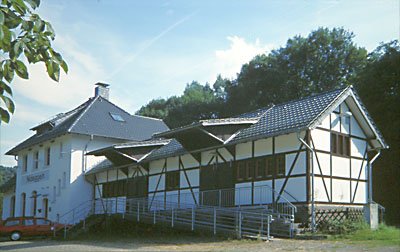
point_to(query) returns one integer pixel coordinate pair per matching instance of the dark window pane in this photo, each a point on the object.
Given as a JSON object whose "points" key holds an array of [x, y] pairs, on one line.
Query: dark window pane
{"points": [[280, 165], [260, 168], [269, 166]]}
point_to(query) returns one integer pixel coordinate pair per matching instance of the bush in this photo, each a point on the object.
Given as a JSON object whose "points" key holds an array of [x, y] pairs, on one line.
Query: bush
{"points": [[341, 227]]}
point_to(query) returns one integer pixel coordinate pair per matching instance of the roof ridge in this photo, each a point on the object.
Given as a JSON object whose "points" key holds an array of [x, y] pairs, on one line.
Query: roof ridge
{"points": [[83, 112], [346, 89], [312, 96], [148, 117]]}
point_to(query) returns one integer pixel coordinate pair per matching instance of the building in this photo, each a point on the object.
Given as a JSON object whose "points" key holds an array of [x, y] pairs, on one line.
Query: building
{"points": [[50, 177], [291, 158], [315, 152]]}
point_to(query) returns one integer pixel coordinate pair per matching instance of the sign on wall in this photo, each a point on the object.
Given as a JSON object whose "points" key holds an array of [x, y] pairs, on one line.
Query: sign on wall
{"points": [[36, 177]]}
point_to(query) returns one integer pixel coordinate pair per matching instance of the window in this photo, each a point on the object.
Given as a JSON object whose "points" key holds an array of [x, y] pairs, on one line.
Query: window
{"points": [[42, 222], [48, 156], [240, 170], [260, 168], [269, 166], [34, 203], [114, 189], [340, 144], [25, 163], [172, 180], [64, 182], [23, 204], [249, 169], [28, 222], [36, 160], [11, 223], [117, 117], [280, 165]]}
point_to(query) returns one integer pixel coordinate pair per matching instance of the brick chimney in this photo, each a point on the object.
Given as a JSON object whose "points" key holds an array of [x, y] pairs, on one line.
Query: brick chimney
{"points": [[102, 90]]}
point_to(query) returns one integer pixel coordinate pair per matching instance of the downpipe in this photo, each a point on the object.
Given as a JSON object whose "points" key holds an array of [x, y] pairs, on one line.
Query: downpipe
{"points": [[370, 200], [84, 157], [312, 182]]}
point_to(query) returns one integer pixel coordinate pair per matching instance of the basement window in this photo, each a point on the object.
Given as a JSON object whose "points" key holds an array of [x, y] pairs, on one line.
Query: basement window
{"points": [[117, 117]]}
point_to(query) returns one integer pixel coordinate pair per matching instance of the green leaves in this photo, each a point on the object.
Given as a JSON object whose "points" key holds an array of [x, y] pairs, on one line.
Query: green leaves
{"points": [[33, 42]]}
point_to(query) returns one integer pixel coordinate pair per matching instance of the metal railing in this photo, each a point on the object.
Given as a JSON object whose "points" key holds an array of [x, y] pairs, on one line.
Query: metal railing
{"points": [[243, 210], [381, 212], [236, 197]]}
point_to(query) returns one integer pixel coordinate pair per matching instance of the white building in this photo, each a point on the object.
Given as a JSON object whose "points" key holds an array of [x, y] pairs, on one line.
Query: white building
{"points": [[50, 177], [316, 152]]}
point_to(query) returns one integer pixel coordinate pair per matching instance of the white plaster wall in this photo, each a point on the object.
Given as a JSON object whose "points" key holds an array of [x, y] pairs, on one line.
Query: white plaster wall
{"points": [[355, 128], [340, 167], [263, 147], [7, 205], [225, 154], [158, 202], [243, 150], [172, 163], [340, 190], [289, 142], [322, 139], [319, 189], [187, 197], [361, 193], [101, 177], [356, 165], [243, 193], [345, 121], [335, 122], [325, 123], [189, 161], [206, 156], [153, 180], [300, 166], [358, 147], [295, 187], [325, 164], [263, 192], [156, 166], [193, 176]]}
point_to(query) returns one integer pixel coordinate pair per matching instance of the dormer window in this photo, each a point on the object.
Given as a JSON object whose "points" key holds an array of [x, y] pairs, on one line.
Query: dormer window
{"points": [[117, 117]]}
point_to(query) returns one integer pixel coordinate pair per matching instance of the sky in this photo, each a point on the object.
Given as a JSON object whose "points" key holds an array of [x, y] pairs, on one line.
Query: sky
{"points": [[152, 49]]}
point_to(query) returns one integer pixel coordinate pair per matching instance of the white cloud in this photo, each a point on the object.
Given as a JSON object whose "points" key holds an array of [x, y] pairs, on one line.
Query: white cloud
{"points": [[228, 62], [73, 88]]}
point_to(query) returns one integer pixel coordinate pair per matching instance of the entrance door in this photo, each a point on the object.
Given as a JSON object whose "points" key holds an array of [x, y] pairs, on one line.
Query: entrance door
{"points": [[217, 185]]}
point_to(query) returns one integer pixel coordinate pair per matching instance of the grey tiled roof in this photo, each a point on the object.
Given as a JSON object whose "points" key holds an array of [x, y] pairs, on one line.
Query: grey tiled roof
{"points": [[173, 148], [93, 118], [289, 117], [273, 120]]}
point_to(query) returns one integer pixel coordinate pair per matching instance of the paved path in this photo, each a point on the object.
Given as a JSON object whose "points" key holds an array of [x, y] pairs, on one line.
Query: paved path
{"points": [[185, 244]]}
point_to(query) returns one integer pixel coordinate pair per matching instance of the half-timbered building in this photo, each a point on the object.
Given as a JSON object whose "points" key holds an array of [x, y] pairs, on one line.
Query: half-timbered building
{"points": [[312, 152]]}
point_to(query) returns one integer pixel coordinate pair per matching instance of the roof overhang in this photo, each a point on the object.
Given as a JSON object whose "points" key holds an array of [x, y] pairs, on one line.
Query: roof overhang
{"points": [[360, 114]]}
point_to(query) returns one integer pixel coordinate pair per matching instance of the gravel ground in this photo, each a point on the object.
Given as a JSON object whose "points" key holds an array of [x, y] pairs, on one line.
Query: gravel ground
{"points": [[188, 244]]}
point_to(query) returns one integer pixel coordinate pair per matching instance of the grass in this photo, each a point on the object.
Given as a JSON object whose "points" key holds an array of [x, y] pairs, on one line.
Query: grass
{"points": [[383, 236]]}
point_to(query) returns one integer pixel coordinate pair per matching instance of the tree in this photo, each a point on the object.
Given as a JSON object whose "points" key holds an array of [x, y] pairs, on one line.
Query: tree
{"points": [[324, 60], [197, 102], [24, 36], [378, 87]]}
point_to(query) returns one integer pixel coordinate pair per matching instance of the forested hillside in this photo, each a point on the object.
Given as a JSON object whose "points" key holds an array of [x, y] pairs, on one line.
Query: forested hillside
{"points": [[324, 60]]}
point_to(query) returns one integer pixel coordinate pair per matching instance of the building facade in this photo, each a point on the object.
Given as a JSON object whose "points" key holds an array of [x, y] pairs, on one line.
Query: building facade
{"points": [[314, 151], [50, 178]]}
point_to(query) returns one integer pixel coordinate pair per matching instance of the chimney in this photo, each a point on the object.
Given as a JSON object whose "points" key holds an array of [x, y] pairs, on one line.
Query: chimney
{"points": [[102, 90]]}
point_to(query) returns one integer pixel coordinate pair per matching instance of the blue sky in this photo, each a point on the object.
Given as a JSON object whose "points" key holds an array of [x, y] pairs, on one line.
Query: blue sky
{"points": [[151, 49]]}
